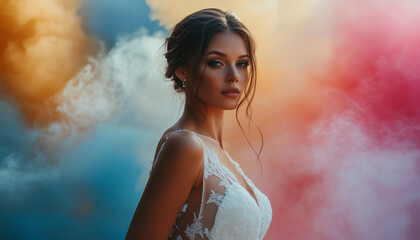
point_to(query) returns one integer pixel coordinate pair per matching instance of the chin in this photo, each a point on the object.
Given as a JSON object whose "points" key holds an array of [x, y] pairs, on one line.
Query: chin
{"points": [[227, 106], [233, 107]]}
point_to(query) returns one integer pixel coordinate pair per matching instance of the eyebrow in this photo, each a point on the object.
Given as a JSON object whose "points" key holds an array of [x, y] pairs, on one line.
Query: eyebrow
{"points": [[224, 55]]}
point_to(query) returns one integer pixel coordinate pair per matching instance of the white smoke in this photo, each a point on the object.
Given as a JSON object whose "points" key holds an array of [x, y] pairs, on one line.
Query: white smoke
{"points": [[126, 81]]}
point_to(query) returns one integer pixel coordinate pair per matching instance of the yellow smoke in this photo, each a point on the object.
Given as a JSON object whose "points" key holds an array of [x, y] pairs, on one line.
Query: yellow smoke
{"points": [[42, 45]]}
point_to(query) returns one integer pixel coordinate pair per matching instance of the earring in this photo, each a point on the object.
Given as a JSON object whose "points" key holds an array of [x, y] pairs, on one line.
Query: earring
{"points": [[183, 83]]}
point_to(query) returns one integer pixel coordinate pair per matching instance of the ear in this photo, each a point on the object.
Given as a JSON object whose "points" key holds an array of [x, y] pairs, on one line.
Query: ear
{"points": [[181, 73]]}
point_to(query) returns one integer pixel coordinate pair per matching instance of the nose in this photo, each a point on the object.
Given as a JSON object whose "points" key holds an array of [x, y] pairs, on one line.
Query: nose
{"points": [[233, 75]]}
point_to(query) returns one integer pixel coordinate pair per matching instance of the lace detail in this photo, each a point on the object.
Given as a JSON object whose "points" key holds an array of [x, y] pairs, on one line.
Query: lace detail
{"points": [[215, 198], [214, 167], [196, 228], [184, 208], [230, 211]]}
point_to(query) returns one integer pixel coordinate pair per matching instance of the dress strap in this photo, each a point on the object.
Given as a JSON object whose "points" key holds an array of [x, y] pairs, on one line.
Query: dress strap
{"points": [[167, 137]]}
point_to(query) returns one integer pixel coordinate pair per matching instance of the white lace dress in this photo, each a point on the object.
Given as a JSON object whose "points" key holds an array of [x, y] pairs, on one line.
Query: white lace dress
{"points": [[223, 208]]}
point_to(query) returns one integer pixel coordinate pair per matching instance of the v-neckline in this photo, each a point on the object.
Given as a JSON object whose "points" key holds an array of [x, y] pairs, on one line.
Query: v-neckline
{"points": [[243, 177], [236, 168]]}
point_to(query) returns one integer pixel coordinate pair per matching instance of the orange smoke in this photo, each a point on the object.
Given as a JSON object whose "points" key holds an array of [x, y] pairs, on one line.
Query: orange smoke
{"points": [[42, 45]]}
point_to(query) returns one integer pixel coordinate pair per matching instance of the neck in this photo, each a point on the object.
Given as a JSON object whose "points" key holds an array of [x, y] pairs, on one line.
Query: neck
{"points": [[211, 125]]}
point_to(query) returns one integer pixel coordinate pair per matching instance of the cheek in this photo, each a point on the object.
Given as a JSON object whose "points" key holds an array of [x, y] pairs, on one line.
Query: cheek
{"points": [[244, 78], [212, 80]]}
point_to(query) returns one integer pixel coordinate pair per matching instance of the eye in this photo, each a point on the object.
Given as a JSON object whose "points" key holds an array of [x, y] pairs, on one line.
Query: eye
{"points": [[214, 63], [243, 64]]}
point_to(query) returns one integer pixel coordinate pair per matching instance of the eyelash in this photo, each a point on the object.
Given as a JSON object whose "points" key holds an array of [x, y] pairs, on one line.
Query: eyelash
{"points": [[214, 63], [245, 63]]}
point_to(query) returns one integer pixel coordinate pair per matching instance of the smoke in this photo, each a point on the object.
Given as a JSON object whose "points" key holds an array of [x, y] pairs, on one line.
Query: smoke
{"points": [[124, 79], [78, 123], [117, 87], [64, 84], [42, 47], [124, 86], [337, 182]]}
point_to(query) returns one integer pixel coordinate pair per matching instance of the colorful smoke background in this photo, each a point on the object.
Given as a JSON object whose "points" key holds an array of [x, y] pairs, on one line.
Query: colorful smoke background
{"points": [[83, 103]]}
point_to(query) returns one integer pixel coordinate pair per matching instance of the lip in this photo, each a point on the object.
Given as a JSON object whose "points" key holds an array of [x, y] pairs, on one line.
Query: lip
{"points": [[232, 92]]}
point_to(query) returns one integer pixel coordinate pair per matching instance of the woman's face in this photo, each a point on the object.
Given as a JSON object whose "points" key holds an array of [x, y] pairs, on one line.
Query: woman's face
{"points": [[225, 66]]}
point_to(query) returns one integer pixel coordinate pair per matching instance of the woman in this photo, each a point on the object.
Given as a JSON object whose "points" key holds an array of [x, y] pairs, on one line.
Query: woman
{"points": [[196, 190]]}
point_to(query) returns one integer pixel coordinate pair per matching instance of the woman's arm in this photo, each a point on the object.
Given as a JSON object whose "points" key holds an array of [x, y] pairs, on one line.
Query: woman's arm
{"points": [[168, 188]]}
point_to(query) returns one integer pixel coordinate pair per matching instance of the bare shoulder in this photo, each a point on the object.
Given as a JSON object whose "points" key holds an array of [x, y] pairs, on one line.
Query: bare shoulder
{"points": [[185, 137], [183, 141], [182, 148]]}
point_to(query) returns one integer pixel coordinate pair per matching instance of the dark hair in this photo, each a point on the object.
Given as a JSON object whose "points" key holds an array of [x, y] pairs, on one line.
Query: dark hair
{"points": [[187, 44]]}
